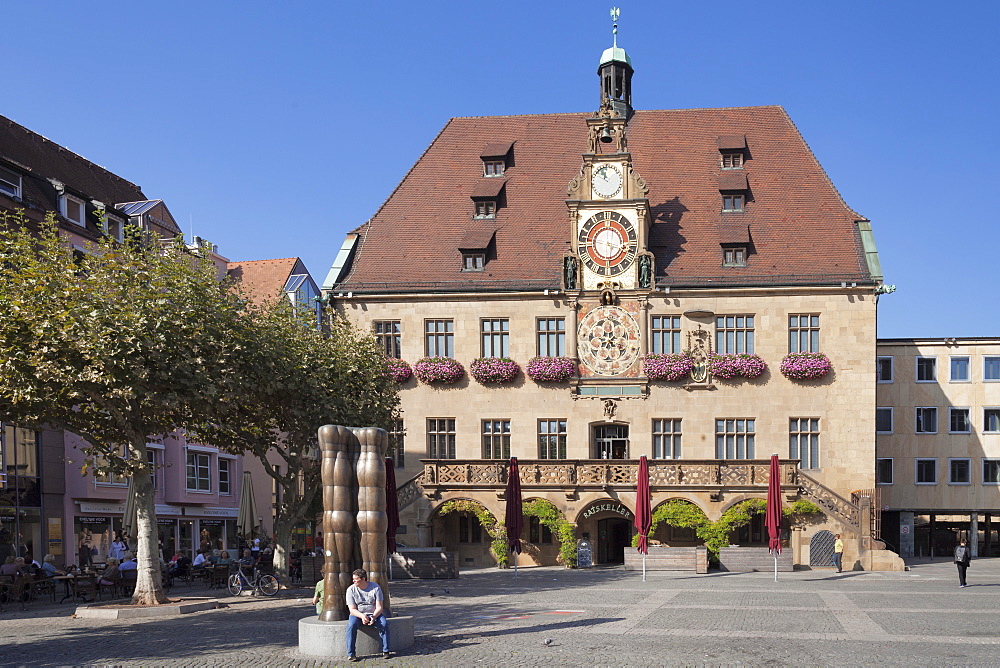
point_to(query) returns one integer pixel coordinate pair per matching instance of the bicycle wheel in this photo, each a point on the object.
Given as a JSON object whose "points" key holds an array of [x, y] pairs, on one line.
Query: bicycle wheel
{"points": [[235, 584], [268, 585]]}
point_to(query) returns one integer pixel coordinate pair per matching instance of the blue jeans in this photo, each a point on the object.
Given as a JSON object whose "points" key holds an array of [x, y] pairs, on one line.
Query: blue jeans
{"points": [[352, 632]]}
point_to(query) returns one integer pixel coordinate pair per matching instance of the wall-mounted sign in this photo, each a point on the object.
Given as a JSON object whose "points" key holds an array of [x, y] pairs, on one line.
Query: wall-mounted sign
{"points": [[93, 520], [612, 507]]}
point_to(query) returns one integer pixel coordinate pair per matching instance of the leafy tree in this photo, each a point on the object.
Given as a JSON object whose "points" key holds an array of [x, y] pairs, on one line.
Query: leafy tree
{"points": [[119, 345], [295, 380]]}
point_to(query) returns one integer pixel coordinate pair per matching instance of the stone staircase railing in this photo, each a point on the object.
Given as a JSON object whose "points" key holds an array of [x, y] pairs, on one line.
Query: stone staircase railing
{"points": [[409, 491], [830, 502]]}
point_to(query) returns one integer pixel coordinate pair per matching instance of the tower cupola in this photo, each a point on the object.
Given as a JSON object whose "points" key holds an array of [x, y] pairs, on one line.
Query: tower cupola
{"points": [[615, 72]]}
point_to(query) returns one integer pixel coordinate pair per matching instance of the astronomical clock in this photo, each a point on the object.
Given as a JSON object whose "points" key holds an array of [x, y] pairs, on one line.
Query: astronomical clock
{"points": [[609, 214]]}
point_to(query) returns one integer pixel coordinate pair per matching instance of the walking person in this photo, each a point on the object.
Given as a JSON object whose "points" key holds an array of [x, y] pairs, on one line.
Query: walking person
{"points": [[963, 556], [838, 553], [364, 602]]}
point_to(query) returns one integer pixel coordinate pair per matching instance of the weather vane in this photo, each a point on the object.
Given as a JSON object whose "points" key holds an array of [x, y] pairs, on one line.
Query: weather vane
{"points": [[615, 13]]}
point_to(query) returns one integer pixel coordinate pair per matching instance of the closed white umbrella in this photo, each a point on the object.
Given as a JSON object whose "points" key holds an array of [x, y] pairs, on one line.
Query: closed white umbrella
{"points": [[130, 520]]}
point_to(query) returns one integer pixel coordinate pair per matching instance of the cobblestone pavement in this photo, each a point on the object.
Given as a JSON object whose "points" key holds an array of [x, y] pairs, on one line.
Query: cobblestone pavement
{"points": [[553, 616]]}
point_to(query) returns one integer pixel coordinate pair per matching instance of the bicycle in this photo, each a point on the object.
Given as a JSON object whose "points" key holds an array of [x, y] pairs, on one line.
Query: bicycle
{"points": [[265, 583]]}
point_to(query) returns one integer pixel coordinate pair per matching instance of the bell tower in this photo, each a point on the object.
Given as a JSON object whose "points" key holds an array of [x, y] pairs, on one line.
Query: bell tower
{"points": [[615, 72]]}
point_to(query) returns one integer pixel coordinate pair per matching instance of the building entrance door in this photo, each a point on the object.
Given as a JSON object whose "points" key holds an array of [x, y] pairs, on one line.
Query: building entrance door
{"points": [[611, 441], [612, 540]]}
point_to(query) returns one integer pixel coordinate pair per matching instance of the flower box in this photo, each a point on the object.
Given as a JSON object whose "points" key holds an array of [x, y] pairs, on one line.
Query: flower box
{"points": [[726, 367], [398, 370], [441, 370], [495, 370], [545, 369], [669, 367], [806, 366]]}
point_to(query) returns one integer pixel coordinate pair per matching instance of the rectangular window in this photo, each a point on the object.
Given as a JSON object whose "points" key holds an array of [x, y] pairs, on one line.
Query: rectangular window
{"points": [[551, 334], [106, 477], [199, 467], [734, 438], [225, 476], [493, 167], [803, 333], [396, 443], [732, 160], [389, 334], [665, 334], [926, 471], [991, 420], [114, 228], [496, 439], [469, 529], [991, 471], [734, 257], [473, 261], [733, 202], [926, 369], [958, 421], [926, 420], [496, 337], [439, 338], [883, 420], [552, 439], [74, 209], [538, 533], [883, 471], [667, 439], [734, 334], [959, 369], [883, 369], [10, 182], [959, 471], [803, 442], [151, 460], [487, 209], [991, 368], [441, 438]]}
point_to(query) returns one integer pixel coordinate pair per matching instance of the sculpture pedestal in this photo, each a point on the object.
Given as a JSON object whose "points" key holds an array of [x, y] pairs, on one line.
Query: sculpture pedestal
{"points": [[318, 638]]}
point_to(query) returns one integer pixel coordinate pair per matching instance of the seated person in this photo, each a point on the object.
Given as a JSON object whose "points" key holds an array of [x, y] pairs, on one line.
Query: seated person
{"points": [[214, 557], [49, 566], [364, 603], [248, 560], [199, 560], [128, 564], [224, 559], [111, 574], [9, 566], [180, 566]]}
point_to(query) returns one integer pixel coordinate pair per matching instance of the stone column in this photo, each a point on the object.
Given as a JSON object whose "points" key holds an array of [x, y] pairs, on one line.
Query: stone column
{"points": [[644, 307], [571, 327], [974, 534]]}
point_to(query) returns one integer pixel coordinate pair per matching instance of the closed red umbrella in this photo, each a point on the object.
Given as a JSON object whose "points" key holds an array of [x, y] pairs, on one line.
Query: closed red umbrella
{"points": [[513, 519], [391, 506], [772, 516], [643, 511]]}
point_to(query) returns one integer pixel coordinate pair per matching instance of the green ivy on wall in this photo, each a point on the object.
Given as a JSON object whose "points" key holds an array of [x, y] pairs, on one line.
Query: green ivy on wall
{"points": [[684, 514], [564, 531], [497, 532]]}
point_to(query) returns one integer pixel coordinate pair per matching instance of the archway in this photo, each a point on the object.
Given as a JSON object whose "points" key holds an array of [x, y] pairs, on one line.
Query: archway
{"points": [[608, 525], [468, 528]]}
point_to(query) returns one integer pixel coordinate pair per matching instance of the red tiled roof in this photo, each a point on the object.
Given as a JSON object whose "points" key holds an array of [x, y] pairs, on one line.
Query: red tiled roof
{"points": [[496, 150], [733, 180], [488, 188], [263, 280], [803, 232], [732, 142], [477, 238]]}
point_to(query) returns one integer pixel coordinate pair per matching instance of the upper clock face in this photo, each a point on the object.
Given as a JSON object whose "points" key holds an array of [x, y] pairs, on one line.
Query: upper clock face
{"points": [[607, 180], [607, 243]]}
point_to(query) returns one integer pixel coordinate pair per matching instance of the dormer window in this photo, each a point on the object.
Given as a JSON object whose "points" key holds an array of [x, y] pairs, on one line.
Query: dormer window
{"points": [[731, 202], [10, 182], [486, 209], [473, 261], [114, 227], [74, 210], [732, 159], [734, 257], [493, 167]]}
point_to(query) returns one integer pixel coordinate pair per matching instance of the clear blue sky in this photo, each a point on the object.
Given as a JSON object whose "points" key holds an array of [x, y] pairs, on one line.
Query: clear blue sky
{"points": [[277, 127]]}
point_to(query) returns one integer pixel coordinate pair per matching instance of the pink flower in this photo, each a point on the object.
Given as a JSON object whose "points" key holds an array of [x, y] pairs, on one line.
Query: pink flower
{"points": [[544, 369], [806, 366], [398, 370], [443, 370], [668, 367], [736, 366], [494, 369]]}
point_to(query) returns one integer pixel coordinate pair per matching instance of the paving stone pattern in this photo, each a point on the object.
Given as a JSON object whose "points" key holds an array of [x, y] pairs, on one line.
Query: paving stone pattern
{"points": [[552, 616]]}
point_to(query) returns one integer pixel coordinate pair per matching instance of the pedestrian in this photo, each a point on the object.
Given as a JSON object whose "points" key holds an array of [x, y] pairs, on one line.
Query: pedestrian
{"points": [[364, 602], [319, 592], [963, 556], [838, 553]]}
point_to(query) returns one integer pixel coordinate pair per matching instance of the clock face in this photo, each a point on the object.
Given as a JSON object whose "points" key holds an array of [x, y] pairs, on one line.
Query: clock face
{"points": [[607, 181], [607, 243], [608, 340]]}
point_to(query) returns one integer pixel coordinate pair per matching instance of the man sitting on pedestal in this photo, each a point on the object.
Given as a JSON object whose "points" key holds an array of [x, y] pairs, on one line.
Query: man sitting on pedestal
{"points": [[364, 602]]}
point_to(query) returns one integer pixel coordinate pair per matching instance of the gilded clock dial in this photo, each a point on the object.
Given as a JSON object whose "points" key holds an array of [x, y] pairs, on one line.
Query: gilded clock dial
{"points": [[608, 340], [607, 243]]}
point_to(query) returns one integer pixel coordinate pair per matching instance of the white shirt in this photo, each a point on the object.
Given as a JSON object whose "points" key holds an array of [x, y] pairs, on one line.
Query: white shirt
{"points": [[199, 560]]}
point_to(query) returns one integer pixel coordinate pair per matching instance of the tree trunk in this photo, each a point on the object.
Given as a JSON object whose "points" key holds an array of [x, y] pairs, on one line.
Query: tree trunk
{"points": [[149, 581]]}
